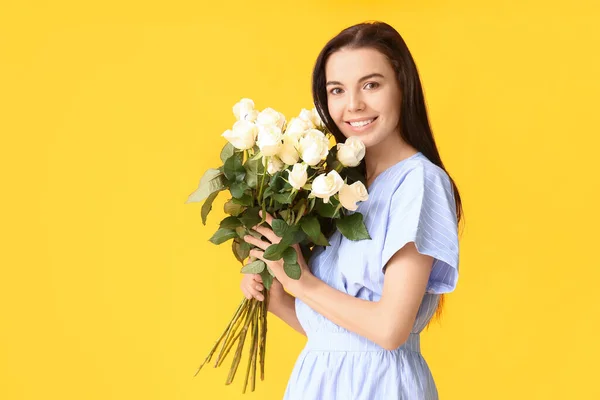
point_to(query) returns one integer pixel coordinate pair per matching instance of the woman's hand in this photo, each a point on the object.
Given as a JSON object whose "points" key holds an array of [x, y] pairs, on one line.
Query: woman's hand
{"points": [[277, 266], [252, 287]]}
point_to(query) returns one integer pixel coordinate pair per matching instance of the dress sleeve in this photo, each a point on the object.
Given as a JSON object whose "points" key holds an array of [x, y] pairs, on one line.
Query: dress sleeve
{"points": [[423, 211]]}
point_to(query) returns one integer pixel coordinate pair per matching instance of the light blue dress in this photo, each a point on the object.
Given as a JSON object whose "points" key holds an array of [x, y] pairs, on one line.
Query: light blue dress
{"points": [[412, 201]]}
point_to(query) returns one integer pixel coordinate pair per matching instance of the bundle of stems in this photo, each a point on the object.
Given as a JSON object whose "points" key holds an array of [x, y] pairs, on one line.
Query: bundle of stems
{"points": [[251, 316]]}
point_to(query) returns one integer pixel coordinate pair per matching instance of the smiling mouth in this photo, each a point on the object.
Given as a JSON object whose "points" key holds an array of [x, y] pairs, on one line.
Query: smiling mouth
{"points": [[361, 124]]}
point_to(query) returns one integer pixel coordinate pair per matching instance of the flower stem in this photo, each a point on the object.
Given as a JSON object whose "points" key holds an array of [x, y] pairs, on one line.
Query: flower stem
{"points": [[252, 353], [229, 330], [233, 339], [262, 344], [210, 354], [238, 352], [262, 184]]}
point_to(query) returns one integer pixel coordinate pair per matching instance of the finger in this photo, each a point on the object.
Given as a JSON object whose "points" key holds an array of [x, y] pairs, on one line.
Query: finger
{"points": [[247, 294], [254, 292], [257, 242], [258, 254], [268, 233], [256, 281], [254, 289], [269, 218]]}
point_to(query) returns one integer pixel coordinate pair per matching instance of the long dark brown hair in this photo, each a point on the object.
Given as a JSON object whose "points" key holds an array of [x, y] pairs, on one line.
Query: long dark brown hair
{"points": [[414, 121]]}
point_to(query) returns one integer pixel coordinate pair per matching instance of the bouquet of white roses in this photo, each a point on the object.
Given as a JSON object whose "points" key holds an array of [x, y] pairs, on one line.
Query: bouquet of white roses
{"points": [[287, 170]]}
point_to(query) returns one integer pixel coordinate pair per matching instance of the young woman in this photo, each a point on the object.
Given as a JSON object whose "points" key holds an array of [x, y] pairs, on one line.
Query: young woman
{"points": [[363, 304]]}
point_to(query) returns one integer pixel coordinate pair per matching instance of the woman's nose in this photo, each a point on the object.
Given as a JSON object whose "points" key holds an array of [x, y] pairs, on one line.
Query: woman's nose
{"points": [[355, 103]]}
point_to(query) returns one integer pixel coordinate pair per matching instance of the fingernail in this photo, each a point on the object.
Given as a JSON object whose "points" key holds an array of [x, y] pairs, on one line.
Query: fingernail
{"points": [[261, 298], [258, 287]]}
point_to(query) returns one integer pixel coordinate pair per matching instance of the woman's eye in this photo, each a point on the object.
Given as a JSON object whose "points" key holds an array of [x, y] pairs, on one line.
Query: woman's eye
{"points": [[375, 84], [333, 91]]}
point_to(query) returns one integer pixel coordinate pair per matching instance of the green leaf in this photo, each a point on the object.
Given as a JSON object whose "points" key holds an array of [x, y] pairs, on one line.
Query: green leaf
{"points": [[258, 154], [212, 181], [292, 270], [352, 175], [230, 223], [240, 249], [222, 235], [250, 217], [264, 213], [251, 179], [353, 227], [275, 251], [232, 208], [322, 240], [280, 227], [241, 231], [283, 198], [312, 204], [207, 206], [290, 256], [267, 278], [254, 171], [284, 214], [257, 235], [228, 151], [293, 235], [310, 225], [331, 157], [277, 182], [326, 210], [237, 189], [255, 267], [268, 192], [233, 168], [245, 200]]}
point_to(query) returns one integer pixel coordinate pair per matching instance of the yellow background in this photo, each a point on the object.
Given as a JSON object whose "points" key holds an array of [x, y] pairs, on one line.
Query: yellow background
{"points": [[110, 112]]}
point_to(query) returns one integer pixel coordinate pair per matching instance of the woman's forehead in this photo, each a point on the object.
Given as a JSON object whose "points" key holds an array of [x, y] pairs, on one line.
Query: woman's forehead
{"points": [[350, 65]]}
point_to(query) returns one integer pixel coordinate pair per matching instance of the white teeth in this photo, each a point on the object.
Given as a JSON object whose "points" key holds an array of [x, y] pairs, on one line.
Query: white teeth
{"points": [[361, 123]]}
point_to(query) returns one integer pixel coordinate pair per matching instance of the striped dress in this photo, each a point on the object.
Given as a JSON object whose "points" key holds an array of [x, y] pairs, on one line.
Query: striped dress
{"points": [[412, 201]]}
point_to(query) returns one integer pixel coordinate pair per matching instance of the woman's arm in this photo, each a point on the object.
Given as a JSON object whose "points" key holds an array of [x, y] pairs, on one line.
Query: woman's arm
{"points": [[283, 306], [387, 322]]}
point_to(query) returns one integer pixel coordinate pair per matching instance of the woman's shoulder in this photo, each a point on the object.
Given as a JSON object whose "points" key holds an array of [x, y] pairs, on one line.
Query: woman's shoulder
{"points": [[419, 171]]}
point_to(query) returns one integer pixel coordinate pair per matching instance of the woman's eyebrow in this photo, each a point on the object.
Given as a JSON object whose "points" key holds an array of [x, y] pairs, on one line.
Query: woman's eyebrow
{"points": [[364, 78]]}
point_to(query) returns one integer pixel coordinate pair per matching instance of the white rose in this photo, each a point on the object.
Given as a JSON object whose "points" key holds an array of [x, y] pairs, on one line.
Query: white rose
{"points": [[351, 194], [326, 185], [268, 116], [288, 153], [307, 116], [298, 176], [297, 127], [351, 152], [316, 118], [242, 136], [269, 139], [295, 130], [244, 110], [275, 165], [313, 147], [252, 116]]}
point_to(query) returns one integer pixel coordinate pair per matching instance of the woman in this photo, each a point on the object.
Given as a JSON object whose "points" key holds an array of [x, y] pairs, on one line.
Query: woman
{"points": [[363, 304]]}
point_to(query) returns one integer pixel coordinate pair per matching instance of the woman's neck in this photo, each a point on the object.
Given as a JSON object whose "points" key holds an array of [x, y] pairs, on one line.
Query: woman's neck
{"points": [[380, 157]]}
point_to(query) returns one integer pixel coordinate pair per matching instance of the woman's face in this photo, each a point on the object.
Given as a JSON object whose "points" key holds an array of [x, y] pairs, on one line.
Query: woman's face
{"points": [[363, 94]]}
